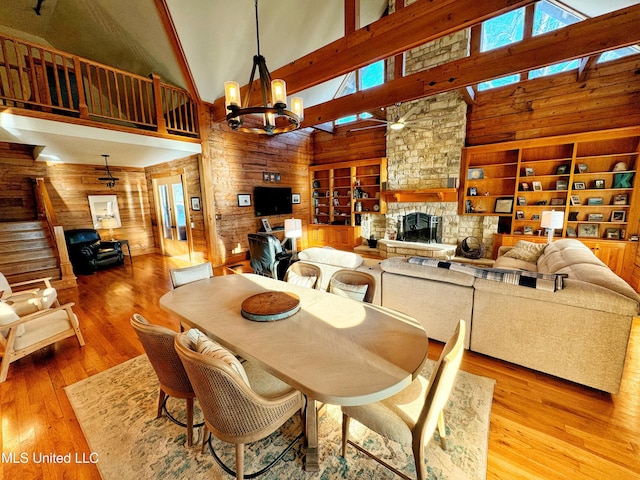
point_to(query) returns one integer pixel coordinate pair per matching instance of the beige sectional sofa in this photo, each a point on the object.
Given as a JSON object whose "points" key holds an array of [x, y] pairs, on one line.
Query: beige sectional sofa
{"points": [[579, 332]]}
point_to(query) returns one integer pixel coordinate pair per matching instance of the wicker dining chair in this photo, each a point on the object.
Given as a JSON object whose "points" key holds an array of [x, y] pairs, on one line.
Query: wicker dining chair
{"points": [[411, 416], [234, 411], [193, 273], [305, 274], [157, 342], [353, 284]]}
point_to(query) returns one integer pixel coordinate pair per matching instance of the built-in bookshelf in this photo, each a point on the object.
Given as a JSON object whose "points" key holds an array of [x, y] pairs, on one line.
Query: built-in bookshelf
{"points": [[590, 177], [340, 194]]}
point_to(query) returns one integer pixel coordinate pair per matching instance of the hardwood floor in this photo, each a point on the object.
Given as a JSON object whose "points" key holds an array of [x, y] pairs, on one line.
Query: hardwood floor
{"points": [[541, 427]]}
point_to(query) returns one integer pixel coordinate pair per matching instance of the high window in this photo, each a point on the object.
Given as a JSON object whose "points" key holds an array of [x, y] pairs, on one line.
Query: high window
{"points": [[366, 77], [509, 28]]}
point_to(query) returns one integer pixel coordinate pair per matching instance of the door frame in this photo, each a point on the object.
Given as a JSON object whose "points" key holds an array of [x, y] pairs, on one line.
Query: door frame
{"points": [[156, 199]]}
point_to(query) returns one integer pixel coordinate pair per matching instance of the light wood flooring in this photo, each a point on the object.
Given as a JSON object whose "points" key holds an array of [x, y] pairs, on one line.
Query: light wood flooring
{"points": [[541, 427]]}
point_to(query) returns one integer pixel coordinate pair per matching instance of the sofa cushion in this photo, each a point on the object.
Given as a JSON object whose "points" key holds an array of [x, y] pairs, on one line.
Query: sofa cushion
{"points": [[540, 281], [564, 253], [601, 276], [514, 264], [401, 266], [331, 256], [526, 251]]}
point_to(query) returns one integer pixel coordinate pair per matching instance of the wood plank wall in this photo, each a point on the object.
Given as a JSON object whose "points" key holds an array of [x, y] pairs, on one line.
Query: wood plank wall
{"points": [[608, 98], [69, 186], [345, 145], [238, 161], [17, 169]]}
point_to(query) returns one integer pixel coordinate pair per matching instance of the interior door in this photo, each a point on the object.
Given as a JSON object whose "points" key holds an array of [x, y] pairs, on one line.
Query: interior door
{"points": [[172, 221]]}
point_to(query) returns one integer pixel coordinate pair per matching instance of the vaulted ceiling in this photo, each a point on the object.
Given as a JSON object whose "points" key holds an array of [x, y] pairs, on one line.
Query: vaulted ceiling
{"points": [[217, 37]]}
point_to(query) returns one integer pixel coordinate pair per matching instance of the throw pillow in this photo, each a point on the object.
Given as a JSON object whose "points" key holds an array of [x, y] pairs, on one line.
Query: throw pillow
{"points": [[206, 346], [356, 292], [526, 251], [303, 281]]}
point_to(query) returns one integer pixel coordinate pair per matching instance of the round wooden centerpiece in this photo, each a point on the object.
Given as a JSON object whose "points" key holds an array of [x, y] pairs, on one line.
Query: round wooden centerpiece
{"points": [[270, 306]]}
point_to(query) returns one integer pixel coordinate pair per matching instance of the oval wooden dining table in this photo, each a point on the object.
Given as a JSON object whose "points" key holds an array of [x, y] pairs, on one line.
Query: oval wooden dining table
{"points": [[333, 349]]}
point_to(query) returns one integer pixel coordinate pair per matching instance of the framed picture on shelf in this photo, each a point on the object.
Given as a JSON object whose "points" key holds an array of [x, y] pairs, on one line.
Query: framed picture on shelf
{"points": [[582, 168], [561, 185], [266, 225], [613, 233], [562, 169], [595, 217], [529, 172], [524, 187], [537, 186], [579, 186], [503, 205], [472, 192], [528, 230], [588, 230], [594, 201], [618, 216], [557, 201], [522, 201], [575, 200], [620, 199], [519, 215], [571, 232], [475, 173], [599, 183]]}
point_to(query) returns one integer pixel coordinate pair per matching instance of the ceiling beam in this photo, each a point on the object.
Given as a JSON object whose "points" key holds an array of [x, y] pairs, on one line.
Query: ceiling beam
{"points": [[411, 26], [589, 37]]}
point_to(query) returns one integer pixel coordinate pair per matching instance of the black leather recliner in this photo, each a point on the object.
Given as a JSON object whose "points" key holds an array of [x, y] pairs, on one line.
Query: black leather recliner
{"points": [[89, 253], [267, 256]]}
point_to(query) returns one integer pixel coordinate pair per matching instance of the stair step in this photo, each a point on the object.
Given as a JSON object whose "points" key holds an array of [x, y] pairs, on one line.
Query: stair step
{"points": [[21, 226], [12, 247], [28, 269]]}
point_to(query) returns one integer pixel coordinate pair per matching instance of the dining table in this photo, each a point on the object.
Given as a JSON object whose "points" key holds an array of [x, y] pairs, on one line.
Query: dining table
{"points": [[333, 349]]}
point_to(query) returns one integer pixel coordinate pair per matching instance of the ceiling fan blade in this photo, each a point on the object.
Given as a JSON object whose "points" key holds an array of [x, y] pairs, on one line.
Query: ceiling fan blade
{"points": [[367, 128]]}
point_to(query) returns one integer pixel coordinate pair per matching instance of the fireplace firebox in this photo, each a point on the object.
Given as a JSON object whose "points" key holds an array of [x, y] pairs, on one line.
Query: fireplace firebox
{"points": [[420, 227]]}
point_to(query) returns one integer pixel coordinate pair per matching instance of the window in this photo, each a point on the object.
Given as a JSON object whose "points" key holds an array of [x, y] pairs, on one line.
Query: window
{"points": [[548, 16], [502, 30], [366, 77]]}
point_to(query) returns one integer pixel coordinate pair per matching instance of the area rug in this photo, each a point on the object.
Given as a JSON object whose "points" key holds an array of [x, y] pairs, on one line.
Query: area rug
{"points": [[116, 410]]}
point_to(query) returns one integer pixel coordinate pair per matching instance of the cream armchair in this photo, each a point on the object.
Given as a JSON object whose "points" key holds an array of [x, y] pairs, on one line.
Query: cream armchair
{"points": [[28, 294], [23, 335]]}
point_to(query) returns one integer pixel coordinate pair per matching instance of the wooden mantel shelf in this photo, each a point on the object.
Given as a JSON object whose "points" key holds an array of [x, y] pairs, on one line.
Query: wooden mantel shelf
{"points": [[424, 195]]}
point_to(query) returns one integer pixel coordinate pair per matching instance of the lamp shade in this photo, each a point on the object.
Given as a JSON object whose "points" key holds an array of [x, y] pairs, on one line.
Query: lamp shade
{"points": [[552, 219], [109, 222], [293, 228]]}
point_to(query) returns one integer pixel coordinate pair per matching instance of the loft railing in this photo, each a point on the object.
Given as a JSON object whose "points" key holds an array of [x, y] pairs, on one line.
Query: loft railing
{"points": [[43, 79]]}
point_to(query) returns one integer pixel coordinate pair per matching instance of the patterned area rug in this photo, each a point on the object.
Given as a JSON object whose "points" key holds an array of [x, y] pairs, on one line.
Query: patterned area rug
{"points": [[116, 410]]}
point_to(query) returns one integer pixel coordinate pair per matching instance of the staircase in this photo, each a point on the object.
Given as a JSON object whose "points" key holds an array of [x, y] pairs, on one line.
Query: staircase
{"points": [[27, 251]]}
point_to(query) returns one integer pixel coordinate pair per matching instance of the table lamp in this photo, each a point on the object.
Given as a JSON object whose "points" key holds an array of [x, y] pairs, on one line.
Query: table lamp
{"points": [[109, 223], [551, 220], [293, 230]]}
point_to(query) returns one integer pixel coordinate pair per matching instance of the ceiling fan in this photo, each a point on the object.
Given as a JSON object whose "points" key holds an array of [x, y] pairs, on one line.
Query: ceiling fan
{"points": [[398, 123]]}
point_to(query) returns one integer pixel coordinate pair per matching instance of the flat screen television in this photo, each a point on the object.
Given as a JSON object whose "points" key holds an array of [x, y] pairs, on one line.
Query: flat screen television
{"points": [[272, 201]]}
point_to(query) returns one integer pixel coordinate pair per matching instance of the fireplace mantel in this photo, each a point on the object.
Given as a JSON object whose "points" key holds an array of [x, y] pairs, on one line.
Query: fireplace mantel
{"points": [[422, 195]]}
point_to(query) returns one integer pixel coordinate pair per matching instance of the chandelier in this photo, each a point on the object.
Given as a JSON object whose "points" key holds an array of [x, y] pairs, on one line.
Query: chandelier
{"points": [[276, 117], [109, 179]]}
